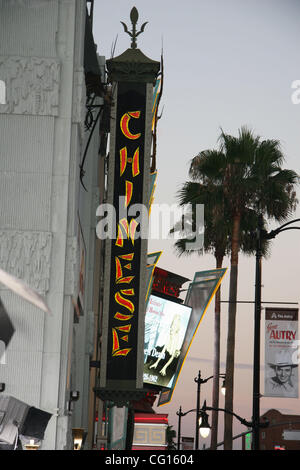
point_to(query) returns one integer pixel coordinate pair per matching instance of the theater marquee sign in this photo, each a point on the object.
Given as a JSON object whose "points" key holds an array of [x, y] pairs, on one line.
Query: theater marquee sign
{"points": [[133, 76], [126, 248]]}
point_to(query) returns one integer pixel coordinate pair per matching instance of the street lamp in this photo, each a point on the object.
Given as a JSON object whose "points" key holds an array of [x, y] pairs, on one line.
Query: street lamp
{"points": [[200, 381], [180, 414], [260, 235], [202, 424], [206, 427]]}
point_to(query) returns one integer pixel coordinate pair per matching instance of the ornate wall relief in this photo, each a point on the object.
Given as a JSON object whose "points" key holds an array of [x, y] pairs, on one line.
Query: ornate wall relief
{"points": [[26, 255], [32, 85]]}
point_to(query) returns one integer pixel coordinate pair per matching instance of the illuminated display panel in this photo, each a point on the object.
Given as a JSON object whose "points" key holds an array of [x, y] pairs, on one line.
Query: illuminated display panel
{"points": [[166, 323], [165, 287], [167, 283]]}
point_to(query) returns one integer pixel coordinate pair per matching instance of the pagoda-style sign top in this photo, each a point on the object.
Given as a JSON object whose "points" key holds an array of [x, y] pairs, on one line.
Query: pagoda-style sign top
{"points": [[132, 65], [134, 16]]}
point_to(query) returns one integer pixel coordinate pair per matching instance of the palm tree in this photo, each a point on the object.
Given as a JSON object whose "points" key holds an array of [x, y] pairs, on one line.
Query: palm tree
{"points": [[170, 436], [217, 240], [249, 171]]}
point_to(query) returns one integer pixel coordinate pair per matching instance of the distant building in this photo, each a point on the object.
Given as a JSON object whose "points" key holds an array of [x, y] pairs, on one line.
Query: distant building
{"points": [[283, 432]]}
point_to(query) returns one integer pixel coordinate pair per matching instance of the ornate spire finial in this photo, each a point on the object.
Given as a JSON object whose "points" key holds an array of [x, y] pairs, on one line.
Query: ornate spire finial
{"points": [[134, 16]]}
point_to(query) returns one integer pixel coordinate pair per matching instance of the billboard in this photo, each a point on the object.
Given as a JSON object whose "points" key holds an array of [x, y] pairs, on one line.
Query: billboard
{"points": [[281, 347], [166, 323], [199, 295]]}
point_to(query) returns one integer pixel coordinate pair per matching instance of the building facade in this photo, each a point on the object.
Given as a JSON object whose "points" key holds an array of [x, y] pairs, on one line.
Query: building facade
{"points": [[282, 433], [52, 172]]}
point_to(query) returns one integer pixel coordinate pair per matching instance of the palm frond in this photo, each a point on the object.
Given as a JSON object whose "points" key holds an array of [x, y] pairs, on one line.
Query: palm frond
{"points": [[207, 166], [244, 176]]}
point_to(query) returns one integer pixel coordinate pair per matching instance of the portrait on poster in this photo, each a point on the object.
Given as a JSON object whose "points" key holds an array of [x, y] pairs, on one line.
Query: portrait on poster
{"points": [[166, 323], [281, 353]]}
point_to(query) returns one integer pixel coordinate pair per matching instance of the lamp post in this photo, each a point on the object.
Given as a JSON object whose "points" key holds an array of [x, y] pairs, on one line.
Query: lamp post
{"points": [[200, 381], [180, 414], [256, 353], [260, 235], [205, 425]]}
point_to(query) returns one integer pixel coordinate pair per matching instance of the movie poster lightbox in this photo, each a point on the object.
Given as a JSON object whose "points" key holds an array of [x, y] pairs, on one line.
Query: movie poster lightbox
{"points": [[166, 323]]}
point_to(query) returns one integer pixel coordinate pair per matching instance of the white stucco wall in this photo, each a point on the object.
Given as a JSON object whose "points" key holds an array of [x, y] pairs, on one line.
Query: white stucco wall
{"points": [[42, 137]]}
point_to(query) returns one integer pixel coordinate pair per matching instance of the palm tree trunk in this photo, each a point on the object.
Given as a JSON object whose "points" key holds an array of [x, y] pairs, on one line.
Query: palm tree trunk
{"points": [[231, 332], [216, 369]]}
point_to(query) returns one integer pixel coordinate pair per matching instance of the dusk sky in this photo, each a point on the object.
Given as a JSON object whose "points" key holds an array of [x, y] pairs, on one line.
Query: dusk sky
{"points": [[227, 63]]}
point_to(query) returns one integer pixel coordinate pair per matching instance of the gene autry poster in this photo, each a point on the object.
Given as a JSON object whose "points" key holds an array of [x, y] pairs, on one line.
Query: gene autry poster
{"points": [[281, 353]]}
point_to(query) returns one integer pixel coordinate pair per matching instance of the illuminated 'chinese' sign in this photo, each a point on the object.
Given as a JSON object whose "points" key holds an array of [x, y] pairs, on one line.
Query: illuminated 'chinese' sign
{"points": [[125, 249]]}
